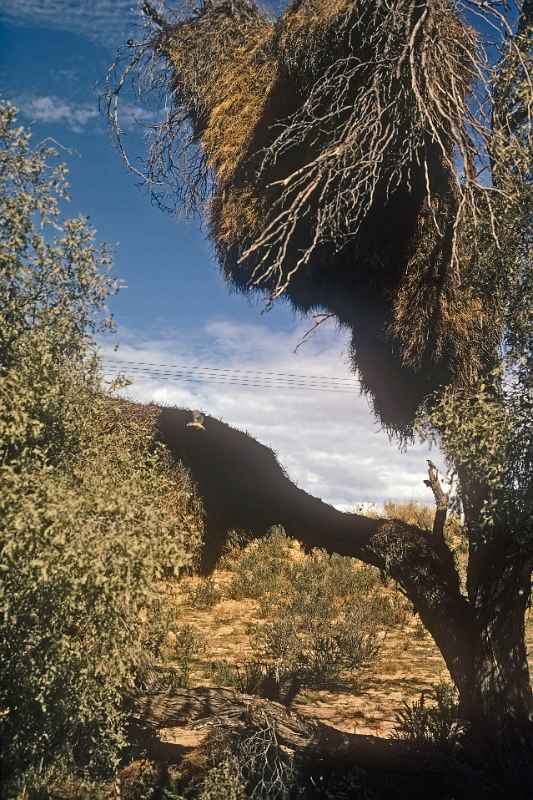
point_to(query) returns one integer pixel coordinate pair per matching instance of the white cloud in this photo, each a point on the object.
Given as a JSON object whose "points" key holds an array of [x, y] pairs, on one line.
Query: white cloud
{"points": [[79, 117], [131, 116], [328, 442], [56, 111]]}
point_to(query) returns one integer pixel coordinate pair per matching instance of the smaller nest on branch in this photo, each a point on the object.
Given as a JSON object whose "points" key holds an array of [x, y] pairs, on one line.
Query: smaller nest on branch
{"points": [[327, 145]]}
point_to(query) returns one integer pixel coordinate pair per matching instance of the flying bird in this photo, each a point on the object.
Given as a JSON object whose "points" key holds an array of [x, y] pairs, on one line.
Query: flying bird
{"points": [[197, 421]]}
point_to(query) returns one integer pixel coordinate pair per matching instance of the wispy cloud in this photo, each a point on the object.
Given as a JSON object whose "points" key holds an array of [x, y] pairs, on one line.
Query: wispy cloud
{"points": [[56, 111], [328, 442], [103, 21], [79, 117]]}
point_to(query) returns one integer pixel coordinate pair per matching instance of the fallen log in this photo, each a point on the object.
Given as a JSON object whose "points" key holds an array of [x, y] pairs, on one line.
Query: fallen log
{"points": [[303, 739]]}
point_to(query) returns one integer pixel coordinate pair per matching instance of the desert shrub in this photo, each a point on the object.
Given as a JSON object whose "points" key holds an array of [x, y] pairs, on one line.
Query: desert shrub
{"points": [[224, 781], [325, 614], [246, 677], [204, 595], [81, 552], [272, 568], [169, 667], [317, 652], [260, 569], [419, 631], [189, 644], [433, 718], [85, 495], [55, 781], [264, 679]]}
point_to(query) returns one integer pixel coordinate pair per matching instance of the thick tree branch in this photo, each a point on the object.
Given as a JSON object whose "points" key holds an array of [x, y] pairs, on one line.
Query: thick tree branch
{"points": [[244, 488]]}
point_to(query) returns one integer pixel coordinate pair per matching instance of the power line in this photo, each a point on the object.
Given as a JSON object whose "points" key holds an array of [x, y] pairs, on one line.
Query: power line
{"points": [[206, 375], [197, 367], [238, 377], [235, 382]]}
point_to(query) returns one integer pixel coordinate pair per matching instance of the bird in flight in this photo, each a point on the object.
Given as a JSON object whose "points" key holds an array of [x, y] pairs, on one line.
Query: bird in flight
{"points": [[197, 421]]}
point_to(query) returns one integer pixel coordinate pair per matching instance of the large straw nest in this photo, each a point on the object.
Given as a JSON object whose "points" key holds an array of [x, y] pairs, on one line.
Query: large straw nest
{"points": [[223, 72], [332, 135]]}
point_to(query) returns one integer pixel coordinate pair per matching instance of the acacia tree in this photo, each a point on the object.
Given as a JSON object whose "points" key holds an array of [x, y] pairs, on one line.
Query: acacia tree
{"points": [[484, 423]]}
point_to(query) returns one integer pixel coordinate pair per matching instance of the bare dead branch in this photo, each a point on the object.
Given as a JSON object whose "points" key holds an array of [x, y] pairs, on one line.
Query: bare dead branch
{"points": [[154, 15], [441, 499], [320, 319]]}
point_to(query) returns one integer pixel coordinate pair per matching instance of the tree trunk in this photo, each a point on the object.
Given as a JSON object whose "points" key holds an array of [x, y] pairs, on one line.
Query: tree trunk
{"points": [[499, 702]]}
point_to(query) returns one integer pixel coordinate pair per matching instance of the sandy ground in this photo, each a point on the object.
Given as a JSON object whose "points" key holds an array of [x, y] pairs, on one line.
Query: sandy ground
{"points": [[406, 665]]}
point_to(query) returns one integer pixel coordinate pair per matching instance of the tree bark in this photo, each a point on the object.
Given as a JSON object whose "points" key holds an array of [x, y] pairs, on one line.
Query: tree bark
{"points": [[499, 703]]}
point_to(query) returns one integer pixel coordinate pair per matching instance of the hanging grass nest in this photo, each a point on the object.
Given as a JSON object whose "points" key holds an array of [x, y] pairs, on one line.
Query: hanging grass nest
{"points": [[335, 153]]}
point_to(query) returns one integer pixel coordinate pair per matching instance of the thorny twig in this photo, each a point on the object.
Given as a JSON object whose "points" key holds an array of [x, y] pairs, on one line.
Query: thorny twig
{"points": [[319, 320]]}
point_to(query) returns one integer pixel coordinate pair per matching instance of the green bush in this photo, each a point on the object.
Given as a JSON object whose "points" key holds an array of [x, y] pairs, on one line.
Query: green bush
{"points": [[324, 613], [261, 569], [271, 571], [433, 718], [81, 551], [204, 595], [189, 645], [92, 513], [318, 652], [259, 678]]}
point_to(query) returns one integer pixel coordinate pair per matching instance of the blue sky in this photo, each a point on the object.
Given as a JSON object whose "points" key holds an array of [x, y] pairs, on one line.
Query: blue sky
{"points": [[54, 55]]}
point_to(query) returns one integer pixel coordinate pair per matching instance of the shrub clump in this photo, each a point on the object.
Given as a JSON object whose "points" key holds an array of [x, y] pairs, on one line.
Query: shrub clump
{"points": [[433, 718], [92, 513], [204, 595], [325, 615]]}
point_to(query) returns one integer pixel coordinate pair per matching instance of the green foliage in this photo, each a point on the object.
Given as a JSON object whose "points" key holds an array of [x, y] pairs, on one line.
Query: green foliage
{"points": [[486, 428], [55, 782], [487, 434], [319, 651], [260, 678], [188, 645], [272, 570], [436, 722], [224, 781], [54, 283], [261, 570], [84, 494], [325, 615], [205, 594], [80, 553]]}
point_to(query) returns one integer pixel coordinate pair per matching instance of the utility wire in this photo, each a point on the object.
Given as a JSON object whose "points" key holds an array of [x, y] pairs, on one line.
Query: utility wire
{"points": [[235, 382], [237, 377], [298, 375], [206, 375]]}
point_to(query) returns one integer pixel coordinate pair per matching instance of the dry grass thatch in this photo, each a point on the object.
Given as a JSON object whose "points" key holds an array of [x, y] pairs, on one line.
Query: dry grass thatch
{"points": [[342, 156]]}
